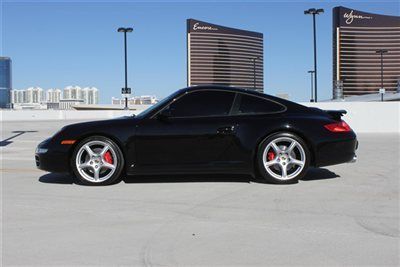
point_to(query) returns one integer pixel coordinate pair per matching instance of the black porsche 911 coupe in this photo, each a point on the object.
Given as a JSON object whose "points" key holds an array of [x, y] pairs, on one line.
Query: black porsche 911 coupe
{"points": [[203, 129]]}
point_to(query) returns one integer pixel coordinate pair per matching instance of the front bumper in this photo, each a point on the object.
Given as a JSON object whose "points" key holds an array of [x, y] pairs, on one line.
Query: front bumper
{"points": [[51, 159]]}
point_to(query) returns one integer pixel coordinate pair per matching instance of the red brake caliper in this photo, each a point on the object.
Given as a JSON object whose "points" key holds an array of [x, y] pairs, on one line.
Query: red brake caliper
{"points": [[270, 156], [108, 158]]}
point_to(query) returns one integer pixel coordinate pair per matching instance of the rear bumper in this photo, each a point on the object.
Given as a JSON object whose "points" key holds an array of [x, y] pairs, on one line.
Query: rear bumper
{"points": [[336, 152]]}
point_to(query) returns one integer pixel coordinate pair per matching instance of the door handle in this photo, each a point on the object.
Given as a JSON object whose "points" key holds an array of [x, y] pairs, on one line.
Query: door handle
{"points": [[226, 130]]}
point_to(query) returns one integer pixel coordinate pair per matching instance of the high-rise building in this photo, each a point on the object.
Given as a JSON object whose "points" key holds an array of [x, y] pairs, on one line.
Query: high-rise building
{"points": [[34, 95], [90, 95], [357, 36], [72, 92], [224, 56], [53, 95], [17, 96], [5, 82]]}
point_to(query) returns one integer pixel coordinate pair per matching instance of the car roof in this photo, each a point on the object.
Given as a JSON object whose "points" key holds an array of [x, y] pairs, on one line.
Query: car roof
{"points": [[241, 90]]}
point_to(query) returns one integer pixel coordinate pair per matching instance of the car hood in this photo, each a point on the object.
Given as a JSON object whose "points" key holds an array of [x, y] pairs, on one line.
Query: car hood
{"points": [[102, 123], [105, 127]]}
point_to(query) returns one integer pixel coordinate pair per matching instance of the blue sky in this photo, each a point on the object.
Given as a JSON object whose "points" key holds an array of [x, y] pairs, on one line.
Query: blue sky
{"points": [[58, 43]]}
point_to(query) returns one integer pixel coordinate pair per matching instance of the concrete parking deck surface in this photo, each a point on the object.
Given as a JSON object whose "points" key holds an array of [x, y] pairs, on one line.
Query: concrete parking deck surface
{"points": [[340, 215]]}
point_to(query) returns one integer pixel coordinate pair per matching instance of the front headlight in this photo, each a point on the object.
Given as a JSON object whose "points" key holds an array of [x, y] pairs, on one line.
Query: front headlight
{"points": [[41, 150]]}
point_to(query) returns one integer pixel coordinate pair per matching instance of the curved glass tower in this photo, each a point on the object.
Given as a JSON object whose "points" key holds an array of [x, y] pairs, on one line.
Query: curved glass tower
{"points": [[224, 56], [357, 36], [5, 82]]}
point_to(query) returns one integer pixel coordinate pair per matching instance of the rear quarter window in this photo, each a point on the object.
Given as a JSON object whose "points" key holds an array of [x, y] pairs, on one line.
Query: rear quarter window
{"points": [[257, 105]]}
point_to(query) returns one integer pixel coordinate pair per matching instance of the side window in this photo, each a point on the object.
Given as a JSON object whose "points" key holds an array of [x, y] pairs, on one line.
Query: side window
{"points": [[257, 105], [202, 103]]}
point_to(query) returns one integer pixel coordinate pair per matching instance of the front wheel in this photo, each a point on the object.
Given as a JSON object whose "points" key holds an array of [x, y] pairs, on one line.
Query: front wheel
{"points": [[97, 160], [283, 158]]}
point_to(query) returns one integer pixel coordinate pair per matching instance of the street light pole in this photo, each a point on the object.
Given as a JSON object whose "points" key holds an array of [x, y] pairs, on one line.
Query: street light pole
{"points": [[126, 90], [313, 12], [381, 51], [254, 72], [312, 88]]}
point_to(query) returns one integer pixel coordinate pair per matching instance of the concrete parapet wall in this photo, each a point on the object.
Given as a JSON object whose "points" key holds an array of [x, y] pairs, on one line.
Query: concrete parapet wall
{"points": [[46, 115], [363, 117], [367, 117]]}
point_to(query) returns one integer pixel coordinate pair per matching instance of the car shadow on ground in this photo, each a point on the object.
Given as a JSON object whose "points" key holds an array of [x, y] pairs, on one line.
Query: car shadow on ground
{"points": [[313, 174], [189, 178], [56, 178]]}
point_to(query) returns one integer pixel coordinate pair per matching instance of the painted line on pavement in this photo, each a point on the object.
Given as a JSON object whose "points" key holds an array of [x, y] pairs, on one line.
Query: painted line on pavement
{"points": [[20, 170]]}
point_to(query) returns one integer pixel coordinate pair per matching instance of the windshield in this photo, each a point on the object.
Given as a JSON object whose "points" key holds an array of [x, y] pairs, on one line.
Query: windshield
{"points": [[157, 105]]}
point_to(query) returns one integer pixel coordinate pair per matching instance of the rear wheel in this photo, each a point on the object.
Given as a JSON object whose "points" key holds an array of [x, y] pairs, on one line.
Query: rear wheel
{"points": [[97, 160], [283, 158]]}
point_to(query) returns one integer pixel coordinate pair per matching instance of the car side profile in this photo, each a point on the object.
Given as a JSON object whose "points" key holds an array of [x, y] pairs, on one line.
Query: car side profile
{"points": [[203, 129]]}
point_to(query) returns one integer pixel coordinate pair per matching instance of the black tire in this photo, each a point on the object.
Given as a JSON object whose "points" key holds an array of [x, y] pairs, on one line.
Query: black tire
{"points": [[268, 172], [117, 161]]}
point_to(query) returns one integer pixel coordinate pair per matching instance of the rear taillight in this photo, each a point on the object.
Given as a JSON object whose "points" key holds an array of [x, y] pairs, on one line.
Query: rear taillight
{"points": [[338, 127]]}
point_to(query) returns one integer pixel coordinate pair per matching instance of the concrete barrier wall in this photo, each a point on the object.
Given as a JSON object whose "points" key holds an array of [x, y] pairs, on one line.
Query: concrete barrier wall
{"points": [[363, 117], [367, 117], [45, 115]]}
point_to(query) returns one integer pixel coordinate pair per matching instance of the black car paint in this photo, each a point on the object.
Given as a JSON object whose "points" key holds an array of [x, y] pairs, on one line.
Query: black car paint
{"points": [[153, 144]]}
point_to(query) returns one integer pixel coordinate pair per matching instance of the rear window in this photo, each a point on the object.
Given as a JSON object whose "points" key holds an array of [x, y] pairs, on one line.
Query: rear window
{"points": [[257, 105]]}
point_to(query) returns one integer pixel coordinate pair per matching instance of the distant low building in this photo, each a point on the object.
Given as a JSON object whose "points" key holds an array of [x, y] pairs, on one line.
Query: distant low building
{"points": [[53, 105], [36, 97], [69, 103], [19, 106], [369, 98], [283, 96], [136, 100]]}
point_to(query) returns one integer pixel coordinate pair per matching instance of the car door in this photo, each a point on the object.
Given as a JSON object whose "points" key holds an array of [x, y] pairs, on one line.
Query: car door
{"points": [[196, 135], [255, 117]]}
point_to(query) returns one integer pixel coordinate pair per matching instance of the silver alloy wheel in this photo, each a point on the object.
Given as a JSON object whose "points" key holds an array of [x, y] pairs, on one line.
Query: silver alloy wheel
{"points": [[288, 159], [91, 163]]}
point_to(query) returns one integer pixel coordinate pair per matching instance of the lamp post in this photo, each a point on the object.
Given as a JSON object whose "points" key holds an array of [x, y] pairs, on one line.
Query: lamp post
{"points": [[126, 90], [313, 12], [312, 89], [381, 51], [254, 72]]}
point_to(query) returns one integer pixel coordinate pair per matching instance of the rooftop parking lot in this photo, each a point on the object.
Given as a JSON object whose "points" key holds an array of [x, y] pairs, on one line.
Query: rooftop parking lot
{"points": [[340, 215]]}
